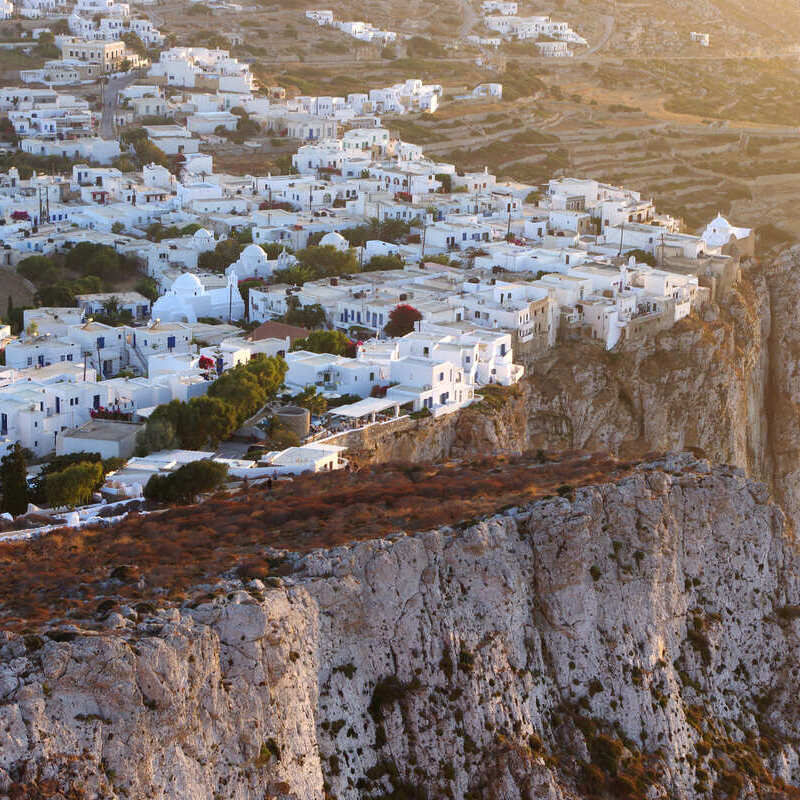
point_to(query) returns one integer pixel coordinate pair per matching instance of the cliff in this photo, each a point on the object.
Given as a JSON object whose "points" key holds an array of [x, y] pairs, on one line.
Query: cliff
{"points": [[636, 638], [727, 383]]}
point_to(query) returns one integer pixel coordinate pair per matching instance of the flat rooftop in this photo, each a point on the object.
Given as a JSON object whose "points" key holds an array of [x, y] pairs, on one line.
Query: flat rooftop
{"points": [[104, 429]]}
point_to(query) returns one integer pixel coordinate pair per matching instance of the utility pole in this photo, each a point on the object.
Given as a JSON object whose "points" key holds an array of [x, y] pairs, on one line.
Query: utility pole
{"points": [[621, 235]]}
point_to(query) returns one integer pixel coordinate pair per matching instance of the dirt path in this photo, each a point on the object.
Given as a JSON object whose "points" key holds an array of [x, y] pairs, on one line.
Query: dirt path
{"points": [[610, 27]]}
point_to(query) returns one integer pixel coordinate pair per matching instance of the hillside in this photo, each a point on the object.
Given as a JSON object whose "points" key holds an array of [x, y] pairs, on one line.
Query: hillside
{"points": [[636, 638]]}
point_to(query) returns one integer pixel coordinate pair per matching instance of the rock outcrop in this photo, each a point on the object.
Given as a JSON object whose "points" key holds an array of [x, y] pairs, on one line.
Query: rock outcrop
{"points": [[636, 638]]}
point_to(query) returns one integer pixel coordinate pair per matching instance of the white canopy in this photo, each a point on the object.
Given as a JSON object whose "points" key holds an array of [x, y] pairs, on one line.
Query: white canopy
{"points": [[365, 407]]}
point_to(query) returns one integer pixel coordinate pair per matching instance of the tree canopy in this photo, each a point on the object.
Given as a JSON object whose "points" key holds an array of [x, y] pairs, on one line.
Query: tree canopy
{"points": [[183, 485], [317, 262], [87, 258], [206, 421], [14, 481], [74, 485], [221, 257], [334, 342], [390, 230]]}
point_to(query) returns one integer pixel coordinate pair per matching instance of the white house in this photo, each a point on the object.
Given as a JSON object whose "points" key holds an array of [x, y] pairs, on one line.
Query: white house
{"points": [[503, 7]]}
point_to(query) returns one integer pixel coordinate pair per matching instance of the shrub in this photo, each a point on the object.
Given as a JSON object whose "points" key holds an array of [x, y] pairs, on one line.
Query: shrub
{"points": [[387, 692], [402, 320]]}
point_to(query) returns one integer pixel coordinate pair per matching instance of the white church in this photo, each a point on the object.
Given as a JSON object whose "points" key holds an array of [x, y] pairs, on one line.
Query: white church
{"points": [[253, 263], [188, 299]]}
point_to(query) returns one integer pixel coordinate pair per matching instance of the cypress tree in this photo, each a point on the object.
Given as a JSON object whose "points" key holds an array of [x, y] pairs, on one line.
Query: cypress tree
{"points": [[14, 481]]}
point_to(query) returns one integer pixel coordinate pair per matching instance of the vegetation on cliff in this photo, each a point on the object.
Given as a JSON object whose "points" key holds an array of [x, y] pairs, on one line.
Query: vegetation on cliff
{"points": [[84, 573]]}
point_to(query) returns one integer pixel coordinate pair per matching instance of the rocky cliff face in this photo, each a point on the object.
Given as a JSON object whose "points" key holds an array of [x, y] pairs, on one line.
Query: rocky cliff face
{"points": [[728, 384], [637, 639]]}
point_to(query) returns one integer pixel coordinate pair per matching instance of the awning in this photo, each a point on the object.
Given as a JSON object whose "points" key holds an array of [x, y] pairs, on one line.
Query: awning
{"points": [[365, 407]]}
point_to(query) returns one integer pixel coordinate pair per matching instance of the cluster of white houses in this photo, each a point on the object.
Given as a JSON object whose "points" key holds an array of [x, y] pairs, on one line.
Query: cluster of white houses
{"points": [[551, 38], [496, 271], [363, 31], [108, 20]]}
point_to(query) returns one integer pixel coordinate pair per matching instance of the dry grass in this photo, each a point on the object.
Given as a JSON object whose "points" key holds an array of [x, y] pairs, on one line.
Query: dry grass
{"points": [[83, 574]]}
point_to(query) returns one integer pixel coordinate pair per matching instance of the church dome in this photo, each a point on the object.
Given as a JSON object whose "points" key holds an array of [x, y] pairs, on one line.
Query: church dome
{"points": [[253, 252], [334, 239], [187, 284]]}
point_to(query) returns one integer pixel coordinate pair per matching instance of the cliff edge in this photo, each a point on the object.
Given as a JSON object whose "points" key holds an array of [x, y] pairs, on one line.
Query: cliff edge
{"points": [[637, 638]]}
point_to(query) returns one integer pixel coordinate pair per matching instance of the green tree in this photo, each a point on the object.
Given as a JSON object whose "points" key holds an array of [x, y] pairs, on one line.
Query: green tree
{"points": [[144, 150], [334, 342], [312, 316], [241, 390], [642, 256], [270, 371], [402, 319], [134, 43], [274, 249], [310, 399], [183, 485], [384, 262], [102, 260], [390, 230], [59, 294], [14, 480], [124, 164], [74, 485], [148, 288], [38, 269], [211, 421], [221, 257], [45, 46], [327, 261], [296, 275], [158, 434], [37, 492], [117, 227]]}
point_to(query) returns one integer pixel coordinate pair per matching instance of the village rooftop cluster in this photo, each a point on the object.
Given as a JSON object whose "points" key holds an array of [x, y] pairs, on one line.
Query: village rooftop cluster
{"points": [[443, 284]]}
